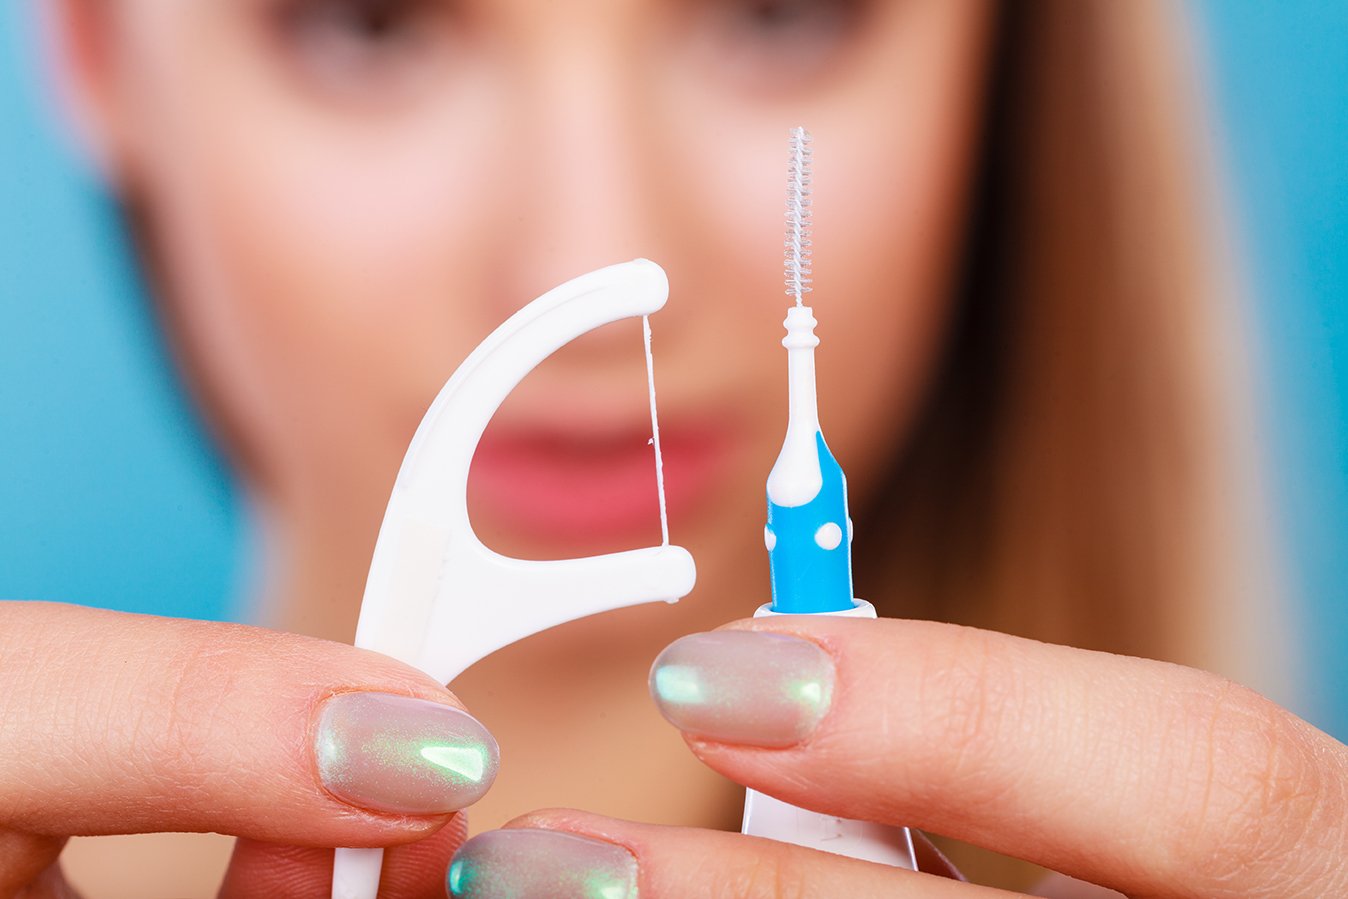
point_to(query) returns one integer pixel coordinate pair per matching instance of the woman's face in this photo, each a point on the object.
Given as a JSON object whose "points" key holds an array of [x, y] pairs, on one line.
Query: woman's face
{"points": [[345, 196]]}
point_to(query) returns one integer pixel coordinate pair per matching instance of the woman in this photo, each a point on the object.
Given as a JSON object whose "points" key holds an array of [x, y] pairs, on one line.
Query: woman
{"points": [[1021, 373]]}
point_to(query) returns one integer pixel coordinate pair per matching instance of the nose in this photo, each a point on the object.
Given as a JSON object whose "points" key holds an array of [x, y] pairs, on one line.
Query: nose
{"points": [[591, 187]]}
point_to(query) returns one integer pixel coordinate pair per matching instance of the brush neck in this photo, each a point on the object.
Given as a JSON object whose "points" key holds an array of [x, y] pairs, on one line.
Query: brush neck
{"points": [[800, 342], [796, 476]]}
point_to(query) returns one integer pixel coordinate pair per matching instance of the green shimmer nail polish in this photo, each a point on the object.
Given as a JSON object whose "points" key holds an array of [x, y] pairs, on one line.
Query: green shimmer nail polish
{"points": [[745, 687], [402, 755], [541, 864]]}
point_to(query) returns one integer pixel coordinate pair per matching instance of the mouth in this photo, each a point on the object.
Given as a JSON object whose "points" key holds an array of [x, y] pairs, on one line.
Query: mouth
{"points": [[575, 486]]}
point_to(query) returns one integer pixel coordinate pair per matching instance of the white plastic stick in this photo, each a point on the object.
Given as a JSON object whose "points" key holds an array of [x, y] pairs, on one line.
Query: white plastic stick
{"points": [[355, 873], [439, 599], [765, 816]]}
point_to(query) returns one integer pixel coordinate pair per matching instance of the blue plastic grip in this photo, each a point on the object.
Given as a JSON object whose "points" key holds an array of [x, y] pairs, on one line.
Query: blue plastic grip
{"points": [[808, 576]]}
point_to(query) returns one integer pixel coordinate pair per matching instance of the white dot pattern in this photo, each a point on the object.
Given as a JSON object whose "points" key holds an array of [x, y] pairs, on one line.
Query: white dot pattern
{"points": [[829, 536]]}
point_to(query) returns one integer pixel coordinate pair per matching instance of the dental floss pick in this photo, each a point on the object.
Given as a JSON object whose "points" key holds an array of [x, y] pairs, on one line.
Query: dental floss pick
{"points": [[436, 597], [808, 537]]}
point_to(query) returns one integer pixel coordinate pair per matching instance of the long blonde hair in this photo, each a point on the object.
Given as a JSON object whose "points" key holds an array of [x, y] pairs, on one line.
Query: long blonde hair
{"points": [[1081, 471]]}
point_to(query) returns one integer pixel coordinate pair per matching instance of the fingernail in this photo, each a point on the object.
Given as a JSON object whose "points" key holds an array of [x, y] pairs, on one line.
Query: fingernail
{"points": [[403, 755], [745, 687], [541, 864]]}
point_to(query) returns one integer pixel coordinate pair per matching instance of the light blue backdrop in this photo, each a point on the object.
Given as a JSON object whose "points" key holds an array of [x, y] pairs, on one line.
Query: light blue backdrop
{"points": [[1281, 73], [109, 495]]}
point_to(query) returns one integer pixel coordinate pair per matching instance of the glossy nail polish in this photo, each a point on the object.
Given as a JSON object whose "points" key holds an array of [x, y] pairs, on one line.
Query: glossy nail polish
{"points": [[541, 864], [402, 755], [745, 687]]}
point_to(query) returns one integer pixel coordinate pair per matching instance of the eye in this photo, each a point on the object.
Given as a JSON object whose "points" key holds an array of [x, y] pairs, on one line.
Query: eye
{"points": [[777, 42], [781, 17], [361, 46], [355, 26]]}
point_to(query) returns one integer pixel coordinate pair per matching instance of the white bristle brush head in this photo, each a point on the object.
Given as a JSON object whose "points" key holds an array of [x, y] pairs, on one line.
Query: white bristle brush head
{"points": [[797, 243]]}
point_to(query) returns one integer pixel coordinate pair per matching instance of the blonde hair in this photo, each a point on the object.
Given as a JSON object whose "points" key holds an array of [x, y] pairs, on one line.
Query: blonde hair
{"points": [[1081, 473]]}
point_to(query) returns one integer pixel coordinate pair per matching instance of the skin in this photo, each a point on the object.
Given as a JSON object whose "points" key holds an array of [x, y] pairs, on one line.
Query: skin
{"points": [[151, 750], [1043, 752], [507, 146]]}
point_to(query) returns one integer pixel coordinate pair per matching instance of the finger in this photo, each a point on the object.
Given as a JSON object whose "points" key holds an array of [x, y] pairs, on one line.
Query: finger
{"points": [[121, 723], [547, 855], [414, 871], [28, 862], [1140, 775], [50, 884]]}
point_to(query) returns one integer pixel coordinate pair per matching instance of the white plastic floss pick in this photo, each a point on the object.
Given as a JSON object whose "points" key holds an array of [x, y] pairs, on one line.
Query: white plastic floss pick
{"points": [[436, 597]]}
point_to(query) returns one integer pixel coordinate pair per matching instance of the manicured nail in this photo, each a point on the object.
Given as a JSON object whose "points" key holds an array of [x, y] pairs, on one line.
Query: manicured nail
{"points": [[403, 755], [746, 687], [541, 864]]}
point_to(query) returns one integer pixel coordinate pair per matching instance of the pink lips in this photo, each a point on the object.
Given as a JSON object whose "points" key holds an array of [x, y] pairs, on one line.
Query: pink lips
{"points": [[564, 485]]}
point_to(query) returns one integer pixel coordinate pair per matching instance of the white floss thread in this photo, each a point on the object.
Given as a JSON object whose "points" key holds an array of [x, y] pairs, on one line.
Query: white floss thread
{"points": [[655, 432]]}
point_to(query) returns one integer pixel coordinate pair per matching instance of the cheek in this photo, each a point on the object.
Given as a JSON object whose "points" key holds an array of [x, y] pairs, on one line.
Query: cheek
{"points": [[312, 268], [892, 194], [886, 286]]}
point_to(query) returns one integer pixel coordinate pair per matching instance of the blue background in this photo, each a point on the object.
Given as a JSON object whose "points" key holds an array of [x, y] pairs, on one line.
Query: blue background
{"points": [[110, 495]]}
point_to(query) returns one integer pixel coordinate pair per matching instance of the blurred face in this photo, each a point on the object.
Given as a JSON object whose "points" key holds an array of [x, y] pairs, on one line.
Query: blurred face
{"points": [[345, 196]]}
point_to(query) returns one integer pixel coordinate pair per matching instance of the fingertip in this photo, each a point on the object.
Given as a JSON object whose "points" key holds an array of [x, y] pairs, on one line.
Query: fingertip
{"points": [[229, 728], [402, 755]]}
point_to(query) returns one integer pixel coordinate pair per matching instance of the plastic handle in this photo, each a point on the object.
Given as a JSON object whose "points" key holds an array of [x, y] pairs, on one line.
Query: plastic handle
{"points": [[766, 816], [439, 599]]}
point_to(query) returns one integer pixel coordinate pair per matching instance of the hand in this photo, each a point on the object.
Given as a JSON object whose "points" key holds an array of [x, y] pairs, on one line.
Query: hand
{"points": [[1148, 778], [117, 723]]}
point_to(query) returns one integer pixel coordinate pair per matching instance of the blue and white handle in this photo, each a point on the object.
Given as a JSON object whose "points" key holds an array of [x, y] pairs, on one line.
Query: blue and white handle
{"points": [[765, 816], [809, 537]]}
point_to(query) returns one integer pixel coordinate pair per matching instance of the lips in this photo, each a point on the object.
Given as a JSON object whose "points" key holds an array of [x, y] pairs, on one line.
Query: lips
{"points": [[568, 486]]}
